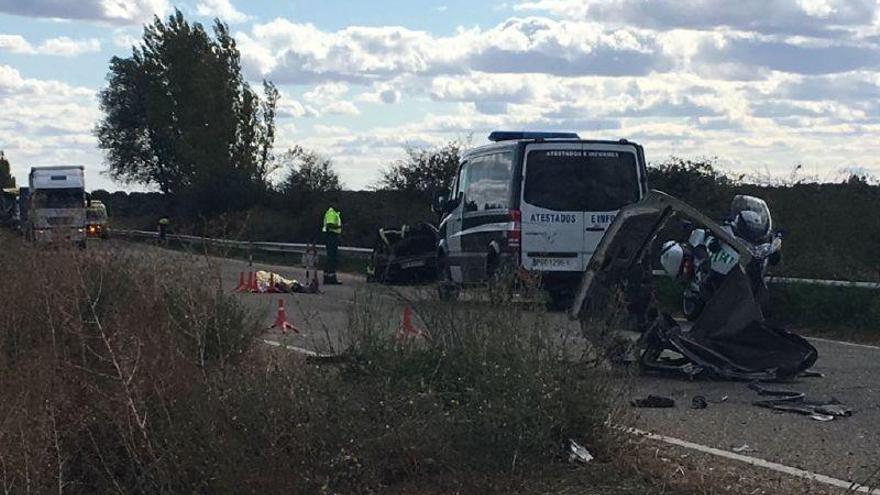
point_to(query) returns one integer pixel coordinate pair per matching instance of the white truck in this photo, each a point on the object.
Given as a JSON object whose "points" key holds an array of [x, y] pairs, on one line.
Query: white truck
{"points": [[57, 205]]}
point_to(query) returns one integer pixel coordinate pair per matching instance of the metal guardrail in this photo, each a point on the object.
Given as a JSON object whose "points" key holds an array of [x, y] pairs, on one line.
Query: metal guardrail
{"points": [[808, 281], [273, 247], [363, 253]]}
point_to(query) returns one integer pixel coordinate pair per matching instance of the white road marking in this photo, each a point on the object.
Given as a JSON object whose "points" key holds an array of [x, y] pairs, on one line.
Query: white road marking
{"points": [[754, 461], [842, 342], [293, 348]]}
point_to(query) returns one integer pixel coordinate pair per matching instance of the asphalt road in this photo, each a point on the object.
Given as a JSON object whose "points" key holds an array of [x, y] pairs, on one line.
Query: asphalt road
{"points": [[847, 448]]}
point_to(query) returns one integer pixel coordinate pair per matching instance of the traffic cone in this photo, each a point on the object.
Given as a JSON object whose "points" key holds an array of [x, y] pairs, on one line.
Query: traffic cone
{"points": [[281, 319], [242, 286], [252, 282], [407, 329]]}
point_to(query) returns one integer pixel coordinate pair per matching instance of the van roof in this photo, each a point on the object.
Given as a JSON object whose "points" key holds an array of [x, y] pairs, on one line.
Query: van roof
{"points": [[512, 143]]}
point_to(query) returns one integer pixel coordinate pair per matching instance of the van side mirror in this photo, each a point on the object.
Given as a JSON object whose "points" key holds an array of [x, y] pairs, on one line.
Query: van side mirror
{"points": [[439, 201]]}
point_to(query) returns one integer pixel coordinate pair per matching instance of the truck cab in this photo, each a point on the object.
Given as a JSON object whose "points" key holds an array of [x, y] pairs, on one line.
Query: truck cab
{"points": [[535, 203], [56, 211]]}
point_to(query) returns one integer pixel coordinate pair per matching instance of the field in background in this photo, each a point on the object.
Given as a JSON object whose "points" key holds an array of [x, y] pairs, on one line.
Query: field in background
{"points": [[830, 229]]}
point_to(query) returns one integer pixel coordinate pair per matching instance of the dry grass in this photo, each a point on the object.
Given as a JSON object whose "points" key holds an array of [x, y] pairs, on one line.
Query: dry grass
{"points": [[124, 373]]}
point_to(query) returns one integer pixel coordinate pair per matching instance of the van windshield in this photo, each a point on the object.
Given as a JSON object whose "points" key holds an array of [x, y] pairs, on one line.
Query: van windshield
{"points": [[96, 214], [581, 180]]}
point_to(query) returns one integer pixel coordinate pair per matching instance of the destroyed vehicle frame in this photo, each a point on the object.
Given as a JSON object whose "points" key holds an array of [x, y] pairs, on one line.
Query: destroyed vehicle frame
{"points": [[729, 340], [617, 255], [404, 255]]}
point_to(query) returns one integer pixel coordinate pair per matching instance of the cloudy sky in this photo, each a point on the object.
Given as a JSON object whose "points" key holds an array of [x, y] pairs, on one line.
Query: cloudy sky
{"points": [[761, 84]]}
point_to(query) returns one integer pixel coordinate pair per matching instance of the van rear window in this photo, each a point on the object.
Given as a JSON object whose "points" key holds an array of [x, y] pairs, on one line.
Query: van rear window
{"points": [[576, 180]]}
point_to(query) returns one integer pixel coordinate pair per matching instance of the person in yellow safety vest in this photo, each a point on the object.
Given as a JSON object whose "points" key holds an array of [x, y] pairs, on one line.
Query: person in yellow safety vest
{"points": [[332, 230]]}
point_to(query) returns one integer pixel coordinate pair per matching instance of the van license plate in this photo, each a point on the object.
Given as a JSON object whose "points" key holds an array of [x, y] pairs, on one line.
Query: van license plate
{"points": [[553, 262], [413, 264]]}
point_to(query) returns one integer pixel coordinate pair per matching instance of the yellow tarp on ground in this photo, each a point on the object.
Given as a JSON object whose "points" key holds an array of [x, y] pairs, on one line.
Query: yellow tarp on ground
{"points": [[284, 284]]}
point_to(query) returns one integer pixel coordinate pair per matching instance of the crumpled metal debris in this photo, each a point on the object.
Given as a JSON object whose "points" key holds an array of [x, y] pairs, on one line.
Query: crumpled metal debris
{"points": [[730, 339], [796, 402], [653, 401], [578, 453]]}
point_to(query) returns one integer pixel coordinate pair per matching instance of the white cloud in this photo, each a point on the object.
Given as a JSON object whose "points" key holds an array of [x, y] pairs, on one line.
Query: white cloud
{"points": [[61, 46], [125, 40], [329, 98], [301, 53], [47, 122], [764, 83], [222, 9], [67, 47], [15, 44], [111, 11], [381, 93], [803, 16], [342, 108]]}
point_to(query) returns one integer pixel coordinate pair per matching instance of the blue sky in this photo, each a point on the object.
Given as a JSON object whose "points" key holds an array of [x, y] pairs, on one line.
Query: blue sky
{"points": [[762, 85]]}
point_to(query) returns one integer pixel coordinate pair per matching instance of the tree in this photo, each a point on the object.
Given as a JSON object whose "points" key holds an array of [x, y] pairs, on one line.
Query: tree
{"points": [[6, 178], [425, 171], [179, 115], [309, 172], [697, 182]]}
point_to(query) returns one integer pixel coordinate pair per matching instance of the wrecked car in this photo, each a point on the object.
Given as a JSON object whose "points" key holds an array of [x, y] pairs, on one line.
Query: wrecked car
{"points": [[729, 339], [404, 255]]}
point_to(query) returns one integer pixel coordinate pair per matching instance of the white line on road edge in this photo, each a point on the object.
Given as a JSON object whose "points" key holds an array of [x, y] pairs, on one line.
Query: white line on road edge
{"points": [[841, 342], [293, 348], [781, 468]]}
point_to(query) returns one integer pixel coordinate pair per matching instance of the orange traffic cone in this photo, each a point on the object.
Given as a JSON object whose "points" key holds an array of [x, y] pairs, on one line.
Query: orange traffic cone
{"points": [[407, 329], [252, 282], [242, 286], [281, 320]]}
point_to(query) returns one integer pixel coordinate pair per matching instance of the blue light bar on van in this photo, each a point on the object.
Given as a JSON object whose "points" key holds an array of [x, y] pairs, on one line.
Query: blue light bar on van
{"points": [[513, 135]]}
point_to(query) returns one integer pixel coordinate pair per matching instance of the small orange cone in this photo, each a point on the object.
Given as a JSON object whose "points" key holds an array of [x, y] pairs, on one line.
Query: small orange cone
{"points": [[281, 320], [407, 329], [242, 286], [252, 282]]}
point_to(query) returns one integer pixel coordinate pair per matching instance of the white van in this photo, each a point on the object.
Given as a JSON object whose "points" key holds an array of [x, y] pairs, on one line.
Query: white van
{"points": [[536, 202]]}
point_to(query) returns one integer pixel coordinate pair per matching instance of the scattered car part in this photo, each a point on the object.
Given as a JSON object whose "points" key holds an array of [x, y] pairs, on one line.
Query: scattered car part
{"points": [[653, 401], [699, 402], [578, 453], [795, 402]]}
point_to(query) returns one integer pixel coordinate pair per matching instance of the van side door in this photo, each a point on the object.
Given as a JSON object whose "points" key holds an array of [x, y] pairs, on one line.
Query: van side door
{"points": [[485, 210]]}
